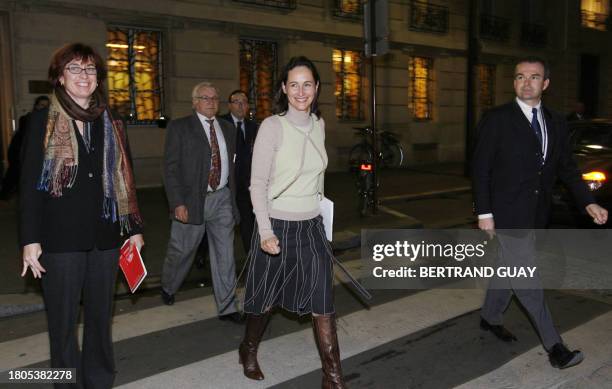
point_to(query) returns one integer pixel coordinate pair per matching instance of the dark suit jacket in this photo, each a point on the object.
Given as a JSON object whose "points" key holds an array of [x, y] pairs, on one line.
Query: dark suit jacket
{"points": [[187, 163], [509, 179], [72, 222], [574, 116], [244, 153]]}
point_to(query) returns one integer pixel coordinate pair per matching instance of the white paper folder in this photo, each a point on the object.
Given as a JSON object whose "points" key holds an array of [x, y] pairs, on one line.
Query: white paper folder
{"points": [[327, 213]]}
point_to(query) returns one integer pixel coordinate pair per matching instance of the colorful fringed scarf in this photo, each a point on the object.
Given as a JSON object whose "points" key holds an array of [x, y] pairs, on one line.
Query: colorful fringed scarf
{"points": [[61, 160]]}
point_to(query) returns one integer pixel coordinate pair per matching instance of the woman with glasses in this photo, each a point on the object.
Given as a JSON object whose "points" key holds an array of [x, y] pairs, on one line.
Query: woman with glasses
{"points": [[78, 205], [291, 263]]}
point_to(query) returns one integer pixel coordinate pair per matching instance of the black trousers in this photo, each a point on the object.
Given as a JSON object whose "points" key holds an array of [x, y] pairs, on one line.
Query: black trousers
{"points": [[247, 218], [70, 276]]}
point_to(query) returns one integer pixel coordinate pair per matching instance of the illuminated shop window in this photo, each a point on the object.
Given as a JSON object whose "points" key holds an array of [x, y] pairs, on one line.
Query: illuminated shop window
{"points": [[486, 86], [134, 73], [595, 14], [258, 61], [420, 91], [347, 67]]}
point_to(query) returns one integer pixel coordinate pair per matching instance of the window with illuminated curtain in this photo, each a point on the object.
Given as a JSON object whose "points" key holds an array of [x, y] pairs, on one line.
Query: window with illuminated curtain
{"points": [[134, 74], [420, 91], [258, 61], [347, 67], [595, 14], [486, 86]]}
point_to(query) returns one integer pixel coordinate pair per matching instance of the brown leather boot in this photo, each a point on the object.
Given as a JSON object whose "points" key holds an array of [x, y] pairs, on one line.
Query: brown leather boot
{"points": [[255, 327], [327, 342]]}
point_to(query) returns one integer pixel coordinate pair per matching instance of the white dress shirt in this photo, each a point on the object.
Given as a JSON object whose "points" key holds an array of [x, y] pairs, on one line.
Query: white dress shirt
{"points": [[222, 149], [527, 111]]}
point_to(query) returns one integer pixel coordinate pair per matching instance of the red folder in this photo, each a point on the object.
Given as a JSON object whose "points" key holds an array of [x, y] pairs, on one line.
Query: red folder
{"points": [[132, 266]]}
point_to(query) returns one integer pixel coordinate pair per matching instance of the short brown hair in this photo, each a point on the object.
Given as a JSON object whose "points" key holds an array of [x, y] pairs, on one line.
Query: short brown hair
{"points": [[67, 53], [236, 92], [534, 59]]}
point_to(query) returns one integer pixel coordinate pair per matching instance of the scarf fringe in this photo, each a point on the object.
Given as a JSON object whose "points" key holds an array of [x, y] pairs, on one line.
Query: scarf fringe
{"points": [[109, 209], [54, 179], [126, 222]]}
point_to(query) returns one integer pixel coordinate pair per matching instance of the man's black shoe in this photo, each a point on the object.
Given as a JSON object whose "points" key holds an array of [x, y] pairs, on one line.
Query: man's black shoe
{"points": [[168, 299], [498, 330], [561, 358], [235, 317]]}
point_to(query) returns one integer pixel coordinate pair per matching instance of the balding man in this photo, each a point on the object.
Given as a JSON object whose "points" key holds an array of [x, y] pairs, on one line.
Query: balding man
{"points": [[200, 186]]}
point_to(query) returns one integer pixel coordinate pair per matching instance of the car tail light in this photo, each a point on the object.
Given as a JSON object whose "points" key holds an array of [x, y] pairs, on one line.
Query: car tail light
{"points": [[366, 167], [594, 179]]}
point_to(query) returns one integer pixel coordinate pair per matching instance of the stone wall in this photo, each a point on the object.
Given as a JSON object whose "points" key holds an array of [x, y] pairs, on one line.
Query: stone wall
{"points": [[201, 42]]}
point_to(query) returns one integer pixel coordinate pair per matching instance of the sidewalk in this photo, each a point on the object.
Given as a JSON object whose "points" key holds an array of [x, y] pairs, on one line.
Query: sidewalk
{"points": [[19, 295]]}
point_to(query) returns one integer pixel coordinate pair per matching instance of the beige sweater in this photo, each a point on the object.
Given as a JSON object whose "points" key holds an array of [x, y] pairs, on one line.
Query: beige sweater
{"points": [[289, 162]]}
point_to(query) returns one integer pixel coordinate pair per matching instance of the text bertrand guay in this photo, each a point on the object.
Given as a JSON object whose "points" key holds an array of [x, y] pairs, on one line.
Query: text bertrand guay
{"points": [[456, 272]]}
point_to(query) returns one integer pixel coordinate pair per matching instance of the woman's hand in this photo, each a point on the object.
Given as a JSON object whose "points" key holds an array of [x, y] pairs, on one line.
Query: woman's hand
{"points": [[31, 253], [271, 246], [137, 240]]}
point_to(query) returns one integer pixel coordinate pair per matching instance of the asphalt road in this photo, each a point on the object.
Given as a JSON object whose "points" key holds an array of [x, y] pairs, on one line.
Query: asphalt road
{"points": [[399, 339]]}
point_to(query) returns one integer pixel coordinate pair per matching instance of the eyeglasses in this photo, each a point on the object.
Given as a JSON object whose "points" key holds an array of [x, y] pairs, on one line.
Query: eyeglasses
{"points": [[240, 102], [207, 99], [76, 69]]}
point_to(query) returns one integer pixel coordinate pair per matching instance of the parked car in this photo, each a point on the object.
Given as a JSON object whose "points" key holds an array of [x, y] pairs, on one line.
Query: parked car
{"points": [[592, 144]]}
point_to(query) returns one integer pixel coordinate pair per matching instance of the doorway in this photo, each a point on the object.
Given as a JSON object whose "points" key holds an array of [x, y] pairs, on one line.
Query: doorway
{"points": [[589, 84]]}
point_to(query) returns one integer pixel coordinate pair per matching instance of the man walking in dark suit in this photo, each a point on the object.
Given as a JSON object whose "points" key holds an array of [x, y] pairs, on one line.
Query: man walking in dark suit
{"points": [[246, 131], [521, 149], [200, 186], [11, 178]]}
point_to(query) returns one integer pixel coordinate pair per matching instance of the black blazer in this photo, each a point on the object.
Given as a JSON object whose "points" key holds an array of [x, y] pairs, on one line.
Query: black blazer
{"points": [[187, 163], [509, 179], [244, 153], [574, 116], [72, 222]]}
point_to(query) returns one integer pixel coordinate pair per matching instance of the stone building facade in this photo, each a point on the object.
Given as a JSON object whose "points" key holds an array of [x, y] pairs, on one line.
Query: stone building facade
{"points": [[421, 82]]}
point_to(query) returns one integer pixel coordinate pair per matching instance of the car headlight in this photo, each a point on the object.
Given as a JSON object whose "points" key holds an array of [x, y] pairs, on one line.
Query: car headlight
{"points": [[594, 179]]}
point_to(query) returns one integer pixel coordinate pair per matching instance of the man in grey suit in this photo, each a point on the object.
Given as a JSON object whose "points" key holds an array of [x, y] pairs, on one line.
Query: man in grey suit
{"points": [[200, 186]]}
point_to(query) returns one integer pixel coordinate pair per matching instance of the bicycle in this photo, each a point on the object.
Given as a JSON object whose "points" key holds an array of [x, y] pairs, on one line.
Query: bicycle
{"points": [[390, 151], [365, 187], [361, 158]]}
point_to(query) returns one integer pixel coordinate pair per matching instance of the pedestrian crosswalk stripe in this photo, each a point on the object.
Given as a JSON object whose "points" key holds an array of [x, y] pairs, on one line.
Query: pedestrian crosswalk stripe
{"points": [[593, 340], [35, 348], [291, 355]]}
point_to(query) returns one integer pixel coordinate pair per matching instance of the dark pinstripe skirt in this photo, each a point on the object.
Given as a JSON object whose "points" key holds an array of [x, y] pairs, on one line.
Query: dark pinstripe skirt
{"points": [[300, 278]]}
